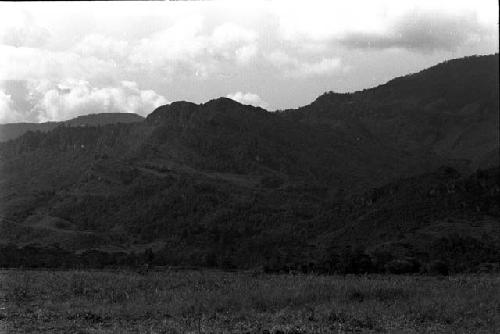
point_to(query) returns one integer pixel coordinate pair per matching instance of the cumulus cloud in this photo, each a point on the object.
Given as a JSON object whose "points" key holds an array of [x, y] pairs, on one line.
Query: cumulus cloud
{"points": [[246, 53], [180, 42], [7, 112], [229, 34], [19, 28], [294, 67], [101, 46], [24, 63], [187, 48], [193, 52], [248, 98], [70, 98], [322, 67], [231, 41]]}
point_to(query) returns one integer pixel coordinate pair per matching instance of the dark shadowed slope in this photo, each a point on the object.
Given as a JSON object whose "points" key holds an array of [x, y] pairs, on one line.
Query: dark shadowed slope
{"points": [[450, 110], [225, 136]]}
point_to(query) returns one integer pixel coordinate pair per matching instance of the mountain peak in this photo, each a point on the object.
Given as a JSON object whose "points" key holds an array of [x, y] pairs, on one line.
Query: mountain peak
{"points": [[222, 102], [174, 109]]}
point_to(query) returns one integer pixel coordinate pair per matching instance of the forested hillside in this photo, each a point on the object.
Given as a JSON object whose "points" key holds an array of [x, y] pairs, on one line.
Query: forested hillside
{"points": [[402, 178]]}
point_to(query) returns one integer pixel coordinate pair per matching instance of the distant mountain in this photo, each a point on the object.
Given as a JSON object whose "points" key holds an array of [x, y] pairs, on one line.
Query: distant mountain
{"points": [[10, 131], [395, 168], [103, 119]]}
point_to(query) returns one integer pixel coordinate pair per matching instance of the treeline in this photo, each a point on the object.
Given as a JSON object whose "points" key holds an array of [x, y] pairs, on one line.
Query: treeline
{"points": [[55, 257], [447, 255]]}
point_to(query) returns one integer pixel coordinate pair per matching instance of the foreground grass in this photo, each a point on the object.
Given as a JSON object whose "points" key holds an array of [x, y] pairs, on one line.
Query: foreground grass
{"points": [[219, 302]]}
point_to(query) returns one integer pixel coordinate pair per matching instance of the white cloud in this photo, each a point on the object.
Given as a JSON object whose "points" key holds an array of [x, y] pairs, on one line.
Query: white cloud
{"points": [[7, 112], [314, 25], [248, 98], [293, 67], [19, 28], [281, 59], [23, 63], [228, 34], [246, 53], [186, 48], [233, 42], [325, 66], [195, 50], [101, 46], [180, 42], [70, 98], [422, 31]]}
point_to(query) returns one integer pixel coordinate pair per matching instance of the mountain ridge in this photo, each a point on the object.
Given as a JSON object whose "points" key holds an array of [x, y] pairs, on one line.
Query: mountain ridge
{"points": [[9, 131], [224, 183]]}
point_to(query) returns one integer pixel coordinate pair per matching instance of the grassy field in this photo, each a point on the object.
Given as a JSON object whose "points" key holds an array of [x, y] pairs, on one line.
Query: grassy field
{"points": [[221, 302]]}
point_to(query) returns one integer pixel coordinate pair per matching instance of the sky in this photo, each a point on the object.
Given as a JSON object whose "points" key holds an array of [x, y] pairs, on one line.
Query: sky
{"points": [[59, 60]]}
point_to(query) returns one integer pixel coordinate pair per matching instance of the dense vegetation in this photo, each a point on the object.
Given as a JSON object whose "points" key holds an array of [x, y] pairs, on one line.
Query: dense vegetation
{"points": [[291, 232], [401, 178]]}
